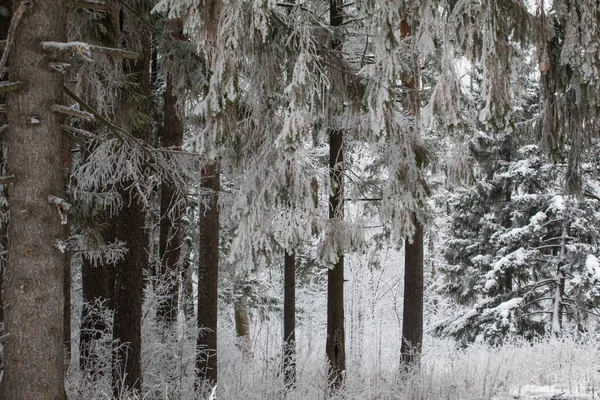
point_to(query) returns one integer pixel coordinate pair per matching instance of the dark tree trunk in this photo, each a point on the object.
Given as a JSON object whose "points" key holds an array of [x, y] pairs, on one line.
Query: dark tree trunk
{"points": [[98, 283], [289, 319], [4, 24], [170, 216], [208, 276], [412, 313], [33, 285], [131, 221], [187, 288], [336, 346]]}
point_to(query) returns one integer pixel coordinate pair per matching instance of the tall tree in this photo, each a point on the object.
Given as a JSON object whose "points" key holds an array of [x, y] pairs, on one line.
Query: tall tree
{"points": [[412, 311], [170, 214], [335, 346], [208, 276], [131, 219], [33, 286]]}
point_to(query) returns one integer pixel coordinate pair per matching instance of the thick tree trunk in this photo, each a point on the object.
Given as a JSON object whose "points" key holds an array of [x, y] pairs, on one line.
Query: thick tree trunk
{"points": [[131, 222], [170, 217], [208, 277], [412, 314], [289, 319], [33, 284]]}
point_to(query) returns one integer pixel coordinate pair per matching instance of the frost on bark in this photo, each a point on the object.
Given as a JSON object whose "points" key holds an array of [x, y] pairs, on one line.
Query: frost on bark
{"points": [[170, 216], [208, 277], [33, 284]]}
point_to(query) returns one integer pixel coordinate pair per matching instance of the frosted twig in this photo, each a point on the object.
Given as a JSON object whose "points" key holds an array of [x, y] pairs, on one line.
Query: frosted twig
{"points": [[72, 112], [86, 49], [90, 4]]}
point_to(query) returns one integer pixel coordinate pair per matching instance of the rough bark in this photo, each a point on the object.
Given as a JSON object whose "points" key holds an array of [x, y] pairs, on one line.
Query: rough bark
{"points": [[412, 313], [170, 217], [289, 319], [5, 7], [33, 284], [208, 276], [131, 221]]}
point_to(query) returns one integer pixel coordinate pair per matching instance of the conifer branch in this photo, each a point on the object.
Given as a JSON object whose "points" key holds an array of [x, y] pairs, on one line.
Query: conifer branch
{"points": [[86, 49], [8, 87], [4, 180], [82, 132], [72, 112], [71, 136], [90, 4]]}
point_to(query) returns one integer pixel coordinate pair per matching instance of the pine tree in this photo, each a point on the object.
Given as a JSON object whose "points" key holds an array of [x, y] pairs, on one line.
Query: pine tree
{"points": [[33, 285]]}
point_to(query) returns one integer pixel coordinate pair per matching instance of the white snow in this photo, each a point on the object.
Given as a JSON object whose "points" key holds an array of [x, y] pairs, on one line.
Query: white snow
{"points": [[557, 204], [592, 264], [504, 308]]}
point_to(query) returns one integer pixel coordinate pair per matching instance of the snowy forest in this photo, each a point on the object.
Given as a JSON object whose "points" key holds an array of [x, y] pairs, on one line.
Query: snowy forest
{"points": [[299, 199]]}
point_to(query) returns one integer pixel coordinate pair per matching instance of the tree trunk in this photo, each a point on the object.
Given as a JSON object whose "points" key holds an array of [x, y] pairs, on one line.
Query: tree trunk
{"points": [[4, 24], [242, 326], [170, 217], [335, 346], [289, 319], [131, 222], [208, 277], [98, 282], [412, 314], [33, 284]]}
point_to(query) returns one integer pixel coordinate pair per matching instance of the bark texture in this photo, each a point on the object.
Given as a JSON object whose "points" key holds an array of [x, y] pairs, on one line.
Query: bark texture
{"points": [[208, 276], [170, 216], [412, 314], [289, 319], [33, 284]]}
